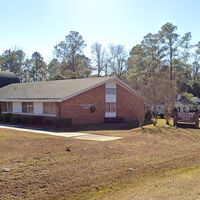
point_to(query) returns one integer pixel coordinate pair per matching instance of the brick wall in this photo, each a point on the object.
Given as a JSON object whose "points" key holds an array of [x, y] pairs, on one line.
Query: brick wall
{"points": [[129, 106], [72, 108]]}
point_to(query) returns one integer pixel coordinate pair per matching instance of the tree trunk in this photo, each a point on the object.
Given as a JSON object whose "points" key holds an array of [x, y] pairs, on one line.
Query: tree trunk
{"points": [[171, 64]]}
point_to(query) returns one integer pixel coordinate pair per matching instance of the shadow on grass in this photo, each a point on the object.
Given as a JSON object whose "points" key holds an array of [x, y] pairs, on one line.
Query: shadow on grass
{"points": [[105, 127]]}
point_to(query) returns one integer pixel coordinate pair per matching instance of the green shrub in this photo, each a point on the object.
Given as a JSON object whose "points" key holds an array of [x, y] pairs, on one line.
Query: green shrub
{"points": [[147, 122], [1, 117], [134, 124], [114, 120], [38, 120], [15, 120], [6, 117], [148, 115], [62, 122], [24, 120]]}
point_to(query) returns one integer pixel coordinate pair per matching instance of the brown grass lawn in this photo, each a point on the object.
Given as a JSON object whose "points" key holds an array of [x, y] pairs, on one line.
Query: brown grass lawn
{"points": [[166, 163]]}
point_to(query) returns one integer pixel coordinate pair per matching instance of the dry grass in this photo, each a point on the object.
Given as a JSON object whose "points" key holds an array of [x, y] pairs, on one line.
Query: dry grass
{"points": [[166, 163]]}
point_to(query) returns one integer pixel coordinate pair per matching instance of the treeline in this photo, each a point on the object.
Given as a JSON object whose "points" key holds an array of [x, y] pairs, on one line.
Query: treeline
{"points": [[69, 61], [165, 55], [164, 64]]}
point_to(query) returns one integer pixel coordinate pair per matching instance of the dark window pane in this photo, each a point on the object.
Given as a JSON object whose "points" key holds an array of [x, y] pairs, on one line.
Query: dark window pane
{"points": [[110, 90], [4, 107]]}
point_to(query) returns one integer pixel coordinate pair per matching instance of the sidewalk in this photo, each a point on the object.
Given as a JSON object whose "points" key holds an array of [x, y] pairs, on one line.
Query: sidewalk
{"points": [[76, 135]]}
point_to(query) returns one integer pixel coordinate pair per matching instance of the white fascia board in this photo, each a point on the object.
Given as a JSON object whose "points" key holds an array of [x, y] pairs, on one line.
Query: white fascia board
{"points": [[30, 100], [127, 87]]}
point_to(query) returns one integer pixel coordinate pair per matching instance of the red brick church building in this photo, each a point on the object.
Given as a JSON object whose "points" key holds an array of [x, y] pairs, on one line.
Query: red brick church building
{"points": [[84, 101]]}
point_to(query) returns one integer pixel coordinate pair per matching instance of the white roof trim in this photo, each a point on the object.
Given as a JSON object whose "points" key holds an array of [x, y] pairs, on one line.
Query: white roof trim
{"points": [[127, 87], [30, 100]]}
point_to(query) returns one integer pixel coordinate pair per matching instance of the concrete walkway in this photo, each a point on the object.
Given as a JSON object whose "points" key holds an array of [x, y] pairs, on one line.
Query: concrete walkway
{"points": [[76, 135]]}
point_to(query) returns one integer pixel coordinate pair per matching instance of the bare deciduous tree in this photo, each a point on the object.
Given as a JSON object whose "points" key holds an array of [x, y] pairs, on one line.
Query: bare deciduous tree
{"points": [[117, 60], [98, 57]]}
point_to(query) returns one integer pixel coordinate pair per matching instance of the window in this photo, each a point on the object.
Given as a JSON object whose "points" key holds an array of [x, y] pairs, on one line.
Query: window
{"points": [[27, 107], [49, 108], [7, 107], [110, 90], [110, 107]]}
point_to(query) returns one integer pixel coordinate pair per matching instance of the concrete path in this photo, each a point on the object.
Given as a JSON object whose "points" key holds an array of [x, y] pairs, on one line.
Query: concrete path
{"points": [[76, 135], [94, 137]]}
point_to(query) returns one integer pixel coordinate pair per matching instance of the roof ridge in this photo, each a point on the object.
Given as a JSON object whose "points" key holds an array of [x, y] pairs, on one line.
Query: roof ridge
{"points": [[70, 79]]}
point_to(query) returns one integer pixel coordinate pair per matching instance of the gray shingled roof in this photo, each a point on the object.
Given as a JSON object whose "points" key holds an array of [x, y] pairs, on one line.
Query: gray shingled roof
{"points": [[53, 90], [7, 78], [8, 74]]}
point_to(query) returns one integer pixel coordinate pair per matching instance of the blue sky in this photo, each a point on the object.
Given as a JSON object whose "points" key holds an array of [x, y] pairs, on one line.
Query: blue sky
{"points": [[38, 25]]}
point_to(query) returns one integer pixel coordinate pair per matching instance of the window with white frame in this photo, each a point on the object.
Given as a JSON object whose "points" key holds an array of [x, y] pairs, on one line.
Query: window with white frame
{"points": [[7, 107], [111, 91], [27, 107], [49, 108], [110, 107]]}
